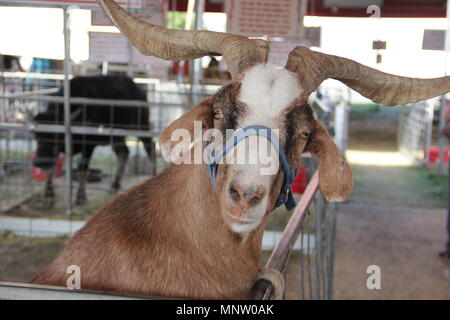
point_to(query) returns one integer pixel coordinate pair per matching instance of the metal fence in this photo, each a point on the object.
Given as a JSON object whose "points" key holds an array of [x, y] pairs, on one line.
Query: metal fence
{"points": [[415, 131], [21, 184]]}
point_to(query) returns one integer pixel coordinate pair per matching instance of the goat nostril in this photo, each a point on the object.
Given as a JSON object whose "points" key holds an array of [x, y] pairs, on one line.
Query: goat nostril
{"points": [[234, 193], [255, 196], [249, 197], [254, 200]]}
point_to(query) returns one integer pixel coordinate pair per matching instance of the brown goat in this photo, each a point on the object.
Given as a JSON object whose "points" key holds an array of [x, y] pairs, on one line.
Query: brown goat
{"points": [[167, 237], [180, 235]]}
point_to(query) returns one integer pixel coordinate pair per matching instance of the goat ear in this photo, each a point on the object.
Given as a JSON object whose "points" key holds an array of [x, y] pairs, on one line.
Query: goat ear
{"points": [[186, 123], [335, 175]]}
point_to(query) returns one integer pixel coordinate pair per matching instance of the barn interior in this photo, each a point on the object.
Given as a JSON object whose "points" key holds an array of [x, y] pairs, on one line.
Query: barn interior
{"points": [[64, 137]]}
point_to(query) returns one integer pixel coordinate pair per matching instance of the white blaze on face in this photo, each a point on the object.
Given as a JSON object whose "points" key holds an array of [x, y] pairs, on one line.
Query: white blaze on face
{"points": [[266, 92]]}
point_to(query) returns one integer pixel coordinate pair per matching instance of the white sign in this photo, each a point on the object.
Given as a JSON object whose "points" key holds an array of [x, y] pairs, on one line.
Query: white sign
{"points": [[111, 47], [433, 40], [134, 4], [275, 18], [114, 47], [157, 16]]}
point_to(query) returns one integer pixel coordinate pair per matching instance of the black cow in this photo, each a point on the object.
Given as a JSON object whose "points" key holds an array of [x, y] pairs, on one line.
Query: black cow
{"points": [[124, 117]]}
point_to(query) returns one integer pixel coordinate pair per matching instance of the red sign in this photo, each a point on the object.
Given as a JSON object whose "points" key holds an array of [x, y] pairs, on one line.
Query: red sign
{"points": [[275, 18]]}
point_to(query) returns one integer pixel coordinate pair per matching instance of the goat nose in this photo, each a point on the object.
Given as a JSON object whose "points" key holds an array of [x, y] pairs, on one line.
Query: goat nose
{"points": [[248, 196]]}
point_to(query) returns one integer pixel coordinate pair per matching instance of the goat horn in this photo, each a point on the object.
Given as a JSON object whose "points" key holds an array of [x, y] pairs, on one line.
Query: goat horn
{"points": [[314, 67], [238, 51]]}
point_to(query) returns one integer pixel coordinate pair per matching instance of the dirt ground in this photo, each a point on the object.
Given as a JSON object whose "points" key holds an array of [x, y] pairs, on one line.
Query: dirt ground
{"points": [[395, 219], [21, 258]]}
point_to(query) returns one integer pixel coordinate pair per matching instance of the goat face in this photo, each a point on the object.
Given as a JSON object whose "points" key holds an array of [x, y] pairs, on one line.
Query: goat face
{"points": [[249, 181], [247, 186]]}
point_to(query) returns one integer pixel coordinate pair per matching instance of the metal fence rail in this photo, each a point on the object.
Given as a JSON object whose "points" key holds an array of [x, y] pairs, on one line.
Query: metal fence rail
{"points": [[25, 291]]}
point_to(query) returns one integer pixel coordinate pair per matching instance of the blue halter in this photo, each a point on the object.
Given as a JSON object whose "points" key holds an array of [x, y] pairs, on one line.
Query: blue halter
{"points": [[285, 196]]}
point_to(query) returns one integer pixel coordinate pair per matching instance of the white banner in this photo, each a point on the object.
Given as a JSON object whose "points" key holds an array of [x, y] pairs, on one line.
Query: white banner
{"points": [[157, 16], [134, 4], [113, 47], [274, 18]]}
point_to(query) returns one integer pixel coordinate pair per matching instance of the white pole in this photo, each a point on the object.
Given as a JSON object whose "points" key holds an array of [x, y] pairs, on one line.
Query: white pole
{"points": [[189, 14], [68, 133], [197, 63]]}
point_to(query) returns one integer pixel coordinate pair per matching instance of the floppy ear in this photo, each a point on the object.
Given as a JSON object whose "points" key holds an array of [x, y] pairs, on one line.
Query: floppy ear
{"points": [[335, 175], [184, 126]]}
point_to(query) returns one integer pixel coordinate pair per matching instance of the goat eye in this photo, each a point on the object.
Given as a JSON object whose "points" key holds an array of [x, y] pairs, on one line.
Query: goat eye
{"points": [[217, 114], [305, 132]]}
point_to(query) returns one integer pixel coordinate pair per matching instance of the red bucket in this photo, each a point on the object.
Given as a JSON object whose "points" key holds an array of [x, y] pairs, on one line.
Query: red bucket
{"points": [[434, 154], [39, 175], [300, 181]]}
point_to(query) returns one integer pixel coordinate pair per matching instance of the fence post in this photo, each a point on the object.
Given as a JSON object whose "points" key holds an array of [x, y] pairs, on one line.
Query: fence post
{"points": [[429, 114], [318, 208], [197, 63], [341, 124], [442, 138], [67, 124], [331, 207]]}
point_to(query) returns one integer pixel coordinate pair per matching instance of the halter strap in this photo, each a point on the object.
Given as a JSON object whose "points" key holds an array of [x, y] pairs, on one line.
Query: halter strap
{"points": [[285, 197]]}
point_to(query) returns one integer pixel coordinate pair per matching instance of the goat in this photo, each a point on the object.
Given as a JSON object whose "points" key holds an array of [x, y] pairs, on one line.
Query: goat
{"points": [[195, 230], [103, 87]]}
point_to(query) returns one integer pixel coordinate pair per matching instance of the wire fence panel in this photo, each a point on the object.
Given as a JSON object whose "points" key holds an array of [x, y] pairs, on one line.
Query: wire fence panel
{"points": [[415, 131], [28, 129]]}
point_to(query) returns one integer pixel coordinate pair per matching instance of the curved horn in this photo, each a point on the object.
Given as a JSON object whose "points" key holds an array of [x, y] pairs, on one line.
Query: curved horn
{"points": [[314, 67], [238, 51]]}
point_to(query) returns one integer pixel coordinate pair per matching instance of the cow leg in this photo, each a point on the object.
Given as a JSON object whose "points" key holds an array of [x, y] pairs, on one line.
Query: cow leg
{"points": [[81, 193], [83, 167], [122, 152], [48, 200], [149, 147]]}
